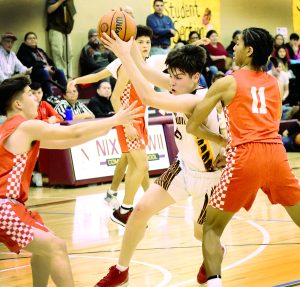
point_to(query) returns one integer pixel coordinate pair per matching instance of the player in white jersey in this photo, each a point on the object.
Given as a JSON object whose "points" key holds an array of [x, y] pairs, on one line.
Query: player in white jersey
{"points": [[194, 172]]}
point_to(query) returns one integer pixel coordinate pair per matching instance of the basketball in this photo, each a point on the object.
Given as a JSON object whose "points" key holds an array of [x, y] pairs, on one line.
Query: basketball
{"points": [[119, 21]]}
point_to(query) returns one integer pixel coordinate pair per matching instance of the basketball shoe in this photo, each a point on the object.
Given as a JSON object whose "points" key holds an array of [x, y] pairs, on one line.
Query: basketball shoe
{"points": [[202, 276], [112, 200], [114, 278], [120, 218]]}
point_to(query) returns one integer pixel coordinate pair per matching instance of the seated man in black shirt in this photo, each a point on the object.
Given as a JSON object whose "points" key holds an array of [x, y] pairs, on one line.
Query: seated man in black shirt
{"points": [[94, 57], [100, 104]]}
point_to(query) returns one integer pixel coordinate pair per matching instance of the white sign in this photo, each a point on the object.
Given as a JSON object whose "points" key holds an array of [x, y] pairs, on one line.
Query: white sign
{"points": [[98, 157], [283, 31]]}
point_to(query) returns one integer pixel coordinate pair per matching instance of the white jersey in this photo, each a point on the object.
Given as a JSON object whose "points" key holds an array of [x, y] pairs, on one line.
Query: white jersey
{"points": [[197, 154]]}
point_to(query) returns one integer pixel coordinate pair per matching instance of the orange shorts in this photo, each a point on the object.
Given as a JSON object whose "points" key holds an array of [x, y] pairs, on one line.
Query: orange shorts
{"points": [[16, 224], [140, 143], [252, 166]]}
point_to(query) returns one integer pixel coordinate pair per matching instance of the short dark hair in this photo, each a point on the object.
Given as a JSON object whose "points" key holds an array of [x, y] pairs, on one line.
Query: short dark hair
{"points": [[101, 82], [29, 33], [294, 36], [189, 59], [262, 43], [9, 90], [192, 33], [210, 32], [235, 33], [142, 30], [157, 1], [35, 86]]}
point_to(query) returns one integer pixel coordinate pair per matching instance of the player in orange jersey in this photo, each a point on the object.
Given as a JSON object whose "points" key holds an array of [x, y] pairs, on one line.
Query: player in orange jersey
{"points": [[20, 139], [252, 103]]}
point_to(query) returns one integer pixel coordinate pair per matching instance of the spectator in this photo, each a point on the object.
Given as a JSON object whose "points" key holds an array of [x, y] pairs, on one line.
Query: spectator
{"points": [[94, 57], [79, 110], [46, 112], [229, 49], [282, 55], [43, 68], [208, 70], [10, 65], [216, 51], [293, 47], [162, 27], [281, 76], [59, 24], [291, 138], [100, 104]]}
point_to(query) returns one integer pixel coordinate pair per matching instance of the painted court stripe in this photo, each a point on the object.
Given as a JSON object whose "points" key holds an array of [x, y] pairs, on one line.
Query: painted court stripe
{"points": [[167, 276], [265, 241], [289, 284]]}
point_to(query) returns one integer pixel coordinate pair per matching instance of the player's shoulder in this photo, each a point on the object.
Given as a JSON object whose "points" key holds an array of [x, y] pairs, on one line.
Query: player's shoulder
{"points": [[224, 84]]}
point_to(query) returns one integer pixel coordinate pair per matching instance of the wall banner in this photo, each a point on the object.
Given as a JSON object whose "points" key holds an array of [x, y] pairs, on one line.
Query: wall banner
{"points": [[296, 16], [193, 15], [98, 157]]}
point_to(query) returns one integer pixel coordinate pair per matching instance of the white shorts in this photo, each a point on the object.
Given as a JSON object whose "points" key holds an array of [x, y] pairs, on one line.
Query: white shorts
{"points": [[181, 182]]}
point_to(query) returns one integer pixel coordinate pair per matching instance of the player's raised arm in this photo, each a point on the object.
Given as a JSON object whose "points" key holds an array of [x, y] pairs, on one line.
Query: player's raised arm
{"points": [[152, 75], [164, 100]]}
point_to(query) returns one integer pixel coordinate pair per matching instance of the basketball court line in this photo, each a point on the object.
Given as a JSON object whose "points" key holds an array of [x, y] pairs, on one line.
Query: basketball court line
{"points": [[265, 242], [166, 274]]}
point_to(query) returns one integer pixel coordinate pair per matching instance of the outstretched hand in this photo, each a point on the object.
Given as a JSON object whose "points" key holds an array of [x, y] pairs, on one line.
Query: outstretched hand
{"points": [[116, 45], [127, 116]]}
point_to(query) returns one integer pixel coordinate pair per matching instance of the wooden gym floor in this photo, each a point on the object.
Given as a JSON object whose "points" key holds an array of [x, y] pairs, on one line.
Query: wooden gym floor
{"points": [[263, 246]]}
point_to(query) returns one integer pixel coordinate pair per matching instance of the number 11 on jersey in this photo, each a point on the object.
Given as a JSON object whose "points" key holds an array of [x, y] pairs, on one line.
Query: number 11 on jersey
{"points": [[258, 97]]}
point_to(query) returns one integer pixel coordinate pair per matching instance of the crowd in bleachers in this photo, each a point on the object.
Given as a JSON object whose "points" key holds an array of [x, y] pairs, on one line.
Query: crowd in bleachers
{"points": [[52, 73]]}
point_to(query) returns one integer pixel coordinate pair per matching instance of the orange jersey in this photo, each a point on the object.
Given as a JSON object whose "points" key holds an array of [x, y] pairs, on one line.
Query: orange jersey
{"points": [[254, 113], [15, 169], [129, 95]]}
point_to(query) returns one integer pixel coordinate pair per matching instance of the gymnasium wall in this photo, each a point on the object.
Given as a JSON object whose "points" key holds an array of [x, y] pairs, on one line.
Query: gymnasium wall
{"points": [[21, 16]]}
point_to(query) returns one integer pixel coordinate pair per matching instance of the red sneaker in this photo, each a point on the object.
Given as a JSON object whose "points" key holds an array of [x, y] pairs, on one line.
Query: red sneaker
{"points": [[114, 278], [202, 276], [120, 218]]}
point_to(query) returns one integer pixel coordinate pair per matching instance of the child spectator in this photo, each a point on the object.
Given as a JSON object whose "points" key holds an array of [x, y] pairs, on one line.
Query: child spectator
{"points": [[45, 111]]}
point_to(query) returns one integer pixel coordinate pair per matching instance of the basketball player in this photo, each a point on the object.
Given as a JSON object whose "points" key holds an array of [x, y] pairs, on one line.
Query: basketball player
{"points": [[256, 156], [20, 139], [195, 164], [132, 139]]}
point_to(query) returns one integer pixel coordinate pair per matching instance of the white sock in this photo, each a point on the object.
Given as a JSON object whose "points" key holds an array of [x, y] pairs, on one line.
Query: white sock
{"points": [[121, 268], [216, 282], [125, 208], [112, 192]]}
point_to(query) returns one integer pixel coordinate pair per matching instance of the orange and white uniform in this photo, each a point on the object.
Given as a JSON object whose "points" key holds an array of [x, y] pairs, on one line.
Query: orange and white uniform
{"points": [[256, 156], [16, 222], [129, 95]]}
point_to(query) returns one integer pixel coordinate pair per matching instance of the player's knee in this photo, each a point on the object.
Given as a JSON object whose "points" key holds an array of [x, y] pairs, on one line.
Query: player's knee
{"points": [[142, 212], [57, 245]]}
